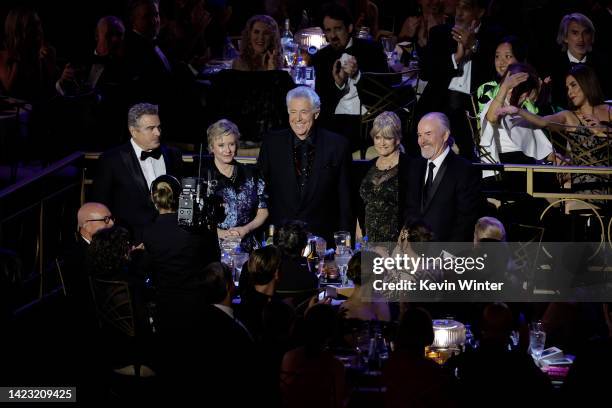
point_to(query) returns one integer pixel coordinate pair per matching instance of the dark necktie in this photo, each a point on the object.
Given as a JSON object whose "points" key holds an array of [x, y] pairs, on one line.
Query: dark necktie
{"points": [[428, 182], [155, 153]]}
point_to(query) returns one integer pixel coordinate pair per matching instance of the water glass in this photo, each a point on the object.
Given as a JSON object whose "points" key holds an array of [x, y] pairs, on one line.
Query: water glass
{"points": [[537, 339], [343, 240], [239, 259]]}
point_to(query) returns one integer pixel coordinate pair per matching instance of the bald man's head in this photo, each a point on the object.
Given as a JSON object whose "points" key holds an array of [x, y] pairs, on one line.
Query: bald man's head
{"points": [[93, 217]]}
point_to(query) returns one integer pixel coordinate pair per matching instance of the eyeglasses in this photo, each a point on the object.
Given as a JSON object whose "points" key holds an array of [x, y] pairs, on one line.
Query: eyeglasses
{"points": [[106, 219]]}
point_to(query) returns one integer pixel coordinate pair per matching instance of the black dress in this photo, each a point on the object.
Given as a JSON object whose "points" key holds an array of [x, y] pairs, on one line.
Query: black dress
{"points": [[379, 191]]}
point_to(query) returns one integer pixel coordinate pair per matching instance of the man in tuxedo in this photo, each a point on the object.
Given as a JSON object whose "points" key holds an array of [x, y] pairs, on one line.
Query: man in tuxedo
{"points": [[125, 174], [149, 69], [444, 188], [306, 169], [338, 69], [457, 60]]}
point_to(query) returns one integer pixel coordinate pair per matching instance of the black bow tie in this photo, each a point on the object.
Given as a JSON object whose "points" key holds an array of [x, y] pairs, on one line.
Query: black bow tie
{"points": [[155, 153]]}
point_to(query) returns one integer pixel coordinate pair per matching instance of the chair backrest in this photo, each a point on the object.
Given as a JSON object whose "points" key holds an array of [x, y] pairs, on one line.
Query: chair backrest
{"points": [[114, 305], [380, 92]]}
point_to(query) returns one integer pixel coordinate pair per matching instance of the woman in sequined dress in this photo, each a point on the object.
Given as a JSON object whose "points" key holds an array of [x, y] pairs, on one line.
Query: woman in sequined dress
{"points": [[238, 185], [381, 189]]}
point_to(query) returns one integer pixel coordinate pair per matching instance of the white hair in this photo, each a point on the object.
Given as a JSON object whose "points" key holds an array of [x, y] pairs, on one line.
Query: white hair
{"points": [[306, 93]]}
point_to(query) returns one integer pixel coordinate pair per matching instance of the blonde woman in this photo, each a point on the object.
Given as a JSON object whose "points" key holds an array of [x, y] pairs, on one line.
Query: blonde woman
{"points": [[260, 47], [240, 187]]}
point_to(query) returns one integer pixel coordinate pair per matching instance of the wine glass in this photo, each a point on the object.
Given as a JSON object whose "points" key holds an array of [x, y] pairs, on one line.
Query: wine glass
{"points": [[388, 44]]}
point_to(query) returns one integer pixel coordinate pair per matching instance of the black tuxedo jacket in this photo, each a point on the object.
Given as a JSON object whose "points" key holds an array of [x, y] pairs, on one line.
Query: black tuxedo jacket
{"points": [[149, 78], [370, 58], [121, 185], [455, 199], [325, 204], [437, 66]]}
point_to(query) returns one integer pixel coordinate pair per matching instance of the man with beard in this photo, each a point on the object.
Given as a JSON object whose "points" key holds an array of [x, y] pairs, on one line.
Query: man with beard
{"points": [[338, 69], [444, 188]]}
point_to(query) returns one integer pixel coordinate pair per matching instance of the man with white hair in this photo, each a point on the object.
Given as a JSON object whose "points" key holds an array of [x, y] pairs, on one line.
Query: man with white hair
{"points": [[306, 169], [444, 189]]}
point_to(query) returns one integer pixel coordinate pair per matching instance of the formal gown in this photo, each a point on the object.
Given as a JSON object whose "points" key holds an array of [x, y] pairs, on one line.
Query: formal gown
{"points": [[380, 192]]}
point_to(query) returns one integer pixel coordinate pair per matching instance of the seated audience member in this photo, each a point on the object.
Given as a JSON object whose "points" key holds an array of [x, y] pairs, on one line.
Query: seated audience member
{"points": [[27, 61], [584, 125], [360, 272], [493, 373], [91, 218], [511, 141], [456, 61], [416, 26], [218, 343], [411, 378], [240, 187], [260, 49], [510, 50], [310, 375], [576, 37], [366, 17], [128, 338], [338, 69], [489, 229], [585, 379], [149, 70], [291, 238], [263, 275], [175, 256]]}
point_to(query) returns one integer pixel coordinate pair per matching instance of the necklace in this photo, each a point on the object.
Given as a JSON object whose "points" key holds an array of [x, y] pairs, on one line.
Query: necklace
{"points": [[393, 159]]}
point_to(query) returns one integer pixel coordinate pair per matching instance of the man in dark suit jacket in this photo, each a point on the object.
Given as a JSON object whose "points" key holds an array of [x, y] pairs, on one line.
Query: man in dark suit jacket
{"points": [[444, 188], [337, 77], [148, 67], [125, 174], [457, 60], [306, 169]]}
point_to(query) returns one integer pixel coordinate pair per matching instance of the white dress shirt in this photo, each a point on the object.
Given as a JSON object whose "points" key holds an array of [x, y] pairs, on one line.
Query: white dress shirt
{"points": [[151, 168], [350, 103], [576, 60], [438, 162]]}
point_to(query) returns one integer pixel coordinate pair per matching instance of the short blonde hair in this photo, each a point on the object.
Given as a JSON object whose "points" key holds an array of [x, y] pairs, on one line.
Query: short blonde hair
{"points": [[221, 128], [388, 125], [489, 228]]}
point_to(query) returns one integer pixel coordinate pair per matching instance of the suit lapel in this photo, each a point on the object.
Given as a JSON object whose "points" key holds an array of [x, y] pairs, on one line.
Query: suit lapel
{"points": [[437, 181], [128, 156], [168, 160]]}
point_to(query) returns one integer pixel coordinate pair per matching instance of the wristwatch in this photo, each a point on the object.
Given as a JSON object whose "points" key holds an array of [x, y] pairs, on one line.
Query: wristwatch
{"points": [[474, 47]]}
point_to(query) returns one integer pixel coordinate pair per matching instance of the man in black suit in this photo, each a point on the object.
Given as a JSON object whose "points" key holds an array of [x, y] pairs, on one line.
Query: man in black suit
{"points": [[457, 60], [338, 69], [149, 69], [125, 174], [306, 169], [215, 357], [444, 188]]}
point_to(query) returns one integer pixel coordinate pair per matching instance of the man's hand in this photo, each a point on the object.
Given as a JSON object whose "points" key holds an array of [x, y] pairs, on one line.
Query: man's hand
{"points": [[338, 73], [350, 66], [68, 74], [466, 38]]}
